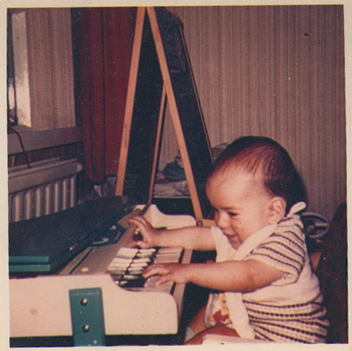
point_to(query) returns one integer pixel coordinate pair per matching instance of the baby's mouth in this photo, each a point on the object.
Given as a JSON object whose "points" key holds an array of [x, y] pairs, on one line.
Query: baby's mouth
{"points": [[230, 234], [233, 240]]}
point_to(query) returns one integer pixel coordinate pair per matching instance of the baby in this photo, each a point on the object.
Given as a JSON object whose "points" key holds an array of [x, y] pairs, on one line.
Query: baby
{"points": [[264, 282]]}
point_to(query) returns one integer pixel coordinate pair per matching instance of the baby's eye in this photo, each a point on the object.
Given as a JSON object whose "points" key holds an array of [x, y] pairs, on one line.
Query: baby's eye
{"points": [[232, 214]]}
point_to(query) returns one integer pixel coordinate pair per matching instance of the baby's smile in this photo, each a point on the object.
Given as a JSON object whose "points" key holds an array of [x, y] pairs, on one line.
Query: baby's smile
{"points": [[233, 239]]}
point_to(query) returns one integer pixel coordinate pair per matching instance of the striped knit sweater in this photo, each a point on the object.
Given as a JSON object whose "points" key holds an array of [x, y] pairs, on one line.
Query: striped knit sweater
{"points": [[291, 309]]}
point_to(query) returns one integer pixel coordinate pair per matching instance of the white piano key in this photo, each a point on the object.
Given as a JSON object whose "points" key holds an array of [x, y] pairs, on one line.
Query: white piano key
{"points": [[170, 250], [114, 266], [166, 259], [127, 252], [141, 260], [150, 285], [117, 267], [168, 256], [121, 260], [145, 254], [139, 265], [147, 251], [136, 270]]}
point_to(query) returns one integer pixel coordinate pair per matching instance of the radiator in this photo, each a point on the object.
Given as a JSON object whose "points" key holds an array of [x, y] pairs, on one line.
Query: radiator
{"points": [[48, 186]]}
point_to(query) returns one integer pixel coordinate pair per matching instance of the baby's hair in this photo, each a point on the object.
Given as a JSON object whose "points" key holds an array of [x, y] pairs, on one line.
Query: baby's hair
{"points": [[264, 155]]}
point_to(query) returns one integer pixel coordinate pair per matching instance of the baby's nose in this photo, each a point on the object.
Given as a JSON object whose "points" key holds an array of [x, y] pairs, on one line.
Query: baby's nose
{"points": [[222, 221]]}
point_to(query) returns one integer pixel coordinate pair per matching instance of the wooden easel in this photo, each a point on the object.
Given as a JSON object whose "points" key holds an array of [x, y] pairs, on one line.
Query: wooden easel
{"points": [[167, 94]]}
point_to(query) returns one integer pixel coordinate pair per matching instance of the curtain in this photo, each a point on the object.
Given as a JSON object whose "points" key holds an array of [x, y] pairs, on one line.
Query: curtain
{"points": [[105, 39], [277, 71]]}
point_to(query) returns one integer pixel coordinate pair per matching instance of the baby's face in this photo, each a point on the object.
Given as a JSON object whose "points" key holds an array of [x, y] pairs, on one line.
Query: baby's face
{"points": [[241, 204]]}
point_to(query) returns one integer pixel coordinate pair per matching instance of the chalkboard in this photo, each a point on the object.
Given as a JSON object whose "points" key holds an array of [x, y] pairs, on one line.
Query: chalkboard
{"points": [[144, 125], [160, 66]]}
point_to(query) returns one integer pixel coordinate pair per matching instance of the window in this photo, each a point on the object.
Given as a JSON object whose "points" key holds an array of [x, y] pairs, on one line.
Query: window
{"points": [[40, 69]]}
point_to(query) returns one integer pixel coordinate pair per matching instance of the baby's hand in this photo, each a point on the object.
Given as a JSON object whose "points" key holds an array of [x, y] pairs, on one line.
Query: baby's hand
{"points": [[176, 272], [149, 233]]}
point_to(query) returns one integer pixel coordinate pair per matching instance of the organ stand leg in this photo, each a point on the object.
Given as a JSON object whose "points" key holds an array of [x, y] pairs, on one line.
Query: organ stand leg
{"points": [[87, 317]]}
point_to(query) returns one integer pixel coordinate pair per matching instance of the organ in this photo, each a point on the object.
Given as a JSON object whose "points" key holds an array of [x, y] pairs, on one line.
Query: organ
{"points": [[45, 296]]}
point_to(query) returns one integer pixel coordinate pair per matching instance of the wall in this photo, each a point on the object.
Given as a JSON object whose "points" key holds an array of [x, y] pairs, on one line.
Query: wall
{"points": [[276, 71]]}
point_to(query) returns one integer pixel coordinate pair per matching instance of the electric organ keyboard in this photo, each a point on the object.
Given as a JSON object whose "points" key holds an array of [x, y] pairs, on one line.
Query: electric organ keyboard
{"points": [[45, 305]]}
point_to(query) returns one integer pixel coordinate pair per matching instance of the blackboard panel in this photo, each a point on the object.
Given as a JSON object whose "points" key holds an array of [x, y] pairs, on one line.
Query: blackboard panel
{"points": [[189, 109], [147, 106], [144, 120]]}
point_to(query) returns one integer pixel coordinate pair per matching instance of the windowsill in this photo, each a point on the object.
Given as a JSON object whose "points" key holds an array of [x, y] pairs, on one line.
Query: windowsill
{"points": [[35, 140]]}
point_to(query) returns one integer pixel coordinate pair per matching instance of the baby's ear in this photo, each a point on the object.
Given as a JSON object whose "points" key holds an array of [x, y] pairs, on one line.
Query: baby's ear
{"points": [[277, 209]]}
